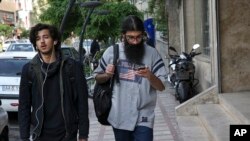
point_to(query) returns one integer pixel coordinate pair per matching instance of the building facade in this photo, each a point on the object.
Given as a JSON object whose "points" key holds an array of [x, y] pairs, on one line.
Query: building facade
{"points": [[16, 13], [7, 12], [221, 27], [23, 13]]}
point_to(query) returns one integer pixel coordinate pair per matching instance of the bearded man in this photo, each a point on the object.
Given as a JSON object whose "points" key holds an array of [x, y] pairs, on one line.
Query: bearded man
{"points": [[141, 73]]}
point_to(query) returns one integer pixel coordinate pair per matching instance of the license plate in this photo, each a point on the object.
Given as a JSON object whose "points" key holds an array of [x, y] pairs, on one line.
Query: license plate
{"points": [[10, 88]]}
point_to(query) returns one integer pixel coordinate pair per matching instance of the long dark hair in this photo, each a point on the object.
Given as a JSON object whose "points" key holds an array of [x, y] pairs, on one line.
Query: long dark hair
{"points": [[54, 33], [132, 23]]}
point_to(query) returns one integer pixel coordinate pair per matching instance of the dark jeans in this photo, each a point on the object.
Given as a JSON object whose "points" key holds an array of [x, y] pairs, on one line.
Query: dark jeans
{"points": [[141, 133]]}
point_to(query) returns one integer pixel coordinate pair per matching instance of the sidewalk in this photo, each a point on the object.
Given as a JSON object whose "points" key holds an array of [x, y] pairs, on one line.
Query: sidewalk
{"points": [[165, 128]]}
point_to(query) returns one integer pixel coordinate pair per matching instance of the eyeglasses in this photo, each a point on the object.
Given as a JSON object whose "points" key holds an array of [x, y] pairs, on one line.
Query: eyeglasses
{"points": [[131, 38]]}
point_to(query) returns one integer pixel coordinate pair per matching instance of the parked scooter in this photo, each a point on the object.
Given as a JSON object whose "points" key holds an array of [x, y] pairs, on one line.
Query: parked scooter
{"points": [[181, 73]]}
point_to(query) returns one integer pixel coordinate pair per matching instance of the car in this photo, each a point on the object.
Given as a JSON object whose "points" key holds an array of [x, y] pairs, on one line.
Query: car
{"points": [[70, 51], [7, 43], [4, 126], [21, 47], [86, 46], [11, 64]]}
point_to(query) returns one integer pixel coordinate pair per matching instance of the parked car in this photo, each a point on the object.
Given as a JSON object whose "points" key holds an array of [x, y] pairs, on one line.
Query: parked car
{"points": [[21, 47], [70, 51], [86, 46], [7, 43], [4, 126], [11, 64]]}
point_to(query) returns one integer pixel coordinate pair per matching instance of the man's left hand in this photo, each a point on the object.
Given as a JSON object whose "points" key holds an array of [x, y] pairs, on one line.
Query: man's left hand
{"points": [[144, 73]]}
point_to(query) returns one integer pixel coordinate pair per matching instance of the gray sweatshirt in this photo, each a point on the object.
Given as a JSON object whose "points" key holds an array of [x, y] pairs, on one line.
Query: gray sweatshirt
{"points": [[134, 99]]}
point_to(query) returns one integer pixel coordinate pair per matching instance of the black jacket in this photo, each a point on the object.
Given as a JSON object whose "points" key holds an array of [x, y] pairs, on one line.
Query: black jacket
{"points": [[94, 47], [74, 96]]}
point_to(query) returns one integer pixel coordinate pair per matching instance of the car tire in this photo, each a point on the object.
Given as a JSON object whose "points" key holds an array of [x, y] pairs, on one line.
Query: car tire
{"points": [[5, 134]]}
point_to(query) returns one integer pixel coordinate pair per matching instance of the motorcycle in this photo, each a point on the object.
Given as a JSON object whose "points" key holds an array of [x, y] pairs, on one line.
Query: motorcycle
{"points": [[181, 73]]}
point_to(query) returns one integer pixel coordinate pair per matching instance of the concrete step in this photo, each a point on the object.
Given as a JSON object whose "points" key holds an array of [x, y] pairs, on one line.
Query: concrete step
{"points": [[216, 120], [192, 129], [201, 118], [237, 105]]}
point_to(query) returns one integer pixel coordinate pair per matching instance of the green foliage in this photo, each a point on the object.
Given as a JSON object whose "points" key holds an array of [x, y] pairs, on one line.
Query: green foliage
{"points": [[99, 54], [100, 26], [105, 26], [158, 9], [55, 12], [6, 30], [25, 33]]}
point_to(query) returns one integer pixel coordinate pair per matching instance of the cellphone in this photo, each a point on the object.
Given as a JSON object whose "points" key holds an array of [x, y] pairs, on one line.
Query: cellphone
{"points": [[140, 68]]}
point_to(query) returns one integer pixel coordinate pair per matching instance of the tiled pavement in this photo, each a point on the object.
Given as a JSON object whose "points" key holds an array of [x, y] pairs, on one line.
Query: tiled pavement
{"points": [[165, 128]]}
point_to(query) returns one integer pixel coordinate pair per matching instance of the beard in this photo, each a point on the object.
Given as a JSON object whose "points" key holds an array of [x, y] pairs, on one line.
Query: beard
{"points": [[134, 53]]}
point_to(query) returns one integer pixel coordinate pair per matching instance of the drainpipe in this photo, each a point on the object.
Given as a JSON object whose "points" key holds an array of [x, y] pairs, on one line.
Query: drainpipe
{"points": [[218, 45]]}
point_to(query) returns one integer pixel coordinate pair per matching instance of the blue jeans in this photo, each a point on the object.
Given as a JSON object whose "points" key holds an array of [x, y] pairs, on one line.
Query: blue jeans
{"points": [[140, 133]]}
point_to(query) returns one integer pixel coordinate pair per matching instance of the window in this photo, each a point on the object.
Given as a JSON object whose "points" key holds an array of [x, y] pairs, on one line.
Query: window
{"points": [[202, 27], [12, 67], [206, 39]]}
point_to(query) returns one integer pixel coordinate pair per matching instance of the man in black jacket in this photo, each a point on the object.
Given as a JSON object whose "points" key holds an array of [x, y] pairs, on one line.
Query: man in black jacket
{"points": [[94, 47], [53, 98]]}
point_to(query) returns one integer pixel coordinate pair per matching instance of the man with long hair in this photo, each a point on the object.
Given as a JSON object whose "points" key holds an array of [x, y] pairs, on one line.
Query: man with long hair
{"points": [[141, 73]]}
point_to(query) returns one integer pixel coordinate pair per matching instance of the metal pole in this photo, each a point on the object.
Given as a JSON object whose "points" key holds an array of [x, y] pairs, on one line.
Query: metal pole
{"points": [[90, 11], [70, 5]]}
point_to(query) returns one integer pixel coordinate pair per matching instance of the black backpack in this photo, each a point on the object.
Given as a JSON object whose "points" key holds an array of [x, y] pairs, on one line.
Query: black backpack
{"points": [[102, 97]]}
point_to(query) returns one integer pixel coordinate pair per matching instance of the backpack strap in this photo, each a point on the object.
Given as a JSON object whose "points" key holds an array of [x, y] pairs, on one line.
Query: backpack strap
{"points": [[116, 54], [115, 61]]}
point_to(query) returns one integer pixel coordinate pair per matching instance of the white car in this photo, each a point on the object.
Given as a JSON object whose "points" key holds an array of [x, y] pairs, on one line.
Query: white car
{"points": [[7, 43], [86, 45], [11, 64], [4, 126], [26, 47]]}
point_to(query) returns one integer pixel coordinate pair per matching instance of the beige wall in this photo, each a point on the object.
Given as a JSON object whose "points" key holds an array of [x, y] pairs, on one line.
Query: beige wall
{"points": [[235, 45], [230, 54], [173, 23]]}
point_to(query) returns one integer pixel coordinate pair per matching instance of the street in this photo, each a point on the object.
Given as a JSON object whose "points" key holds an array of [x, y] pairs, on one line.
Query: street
{"points": [[13, 128]]}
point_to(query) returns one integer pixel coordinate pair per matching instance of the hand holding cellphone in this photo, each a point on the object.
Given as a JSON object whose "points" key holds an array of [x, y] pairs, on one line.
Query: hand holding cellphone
{"points": [[141, 68]]}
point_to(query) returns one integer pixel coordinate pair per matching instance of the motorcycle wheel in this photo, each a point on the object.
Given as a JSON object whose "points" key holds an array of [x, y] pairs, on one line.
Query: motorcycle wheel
{"points": [[183, 90]]}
